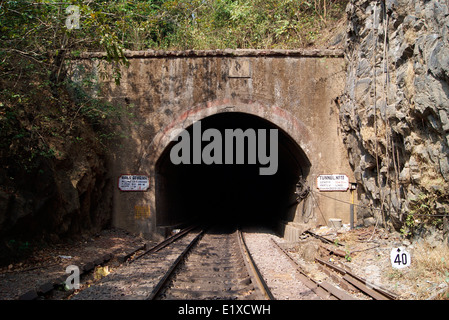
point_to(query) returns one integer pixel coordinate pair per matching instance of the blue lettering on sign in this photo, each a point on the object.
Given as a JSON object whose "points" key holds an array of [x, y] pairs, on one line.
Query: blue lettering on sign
{"points": [[133, 183]]}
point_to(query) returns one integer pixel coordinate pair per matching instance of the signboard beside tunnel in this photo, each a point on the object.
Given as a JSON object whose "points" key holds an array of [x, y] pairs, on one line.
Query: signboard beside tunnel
{"points": [[332, 182], [129, 182]]}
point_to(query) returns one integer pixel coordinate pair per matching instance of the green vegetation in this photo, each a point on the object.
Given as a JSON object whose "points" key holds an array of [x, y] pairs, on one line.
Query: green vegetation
{"points": [[212, 24], [42, 111], [423, 212]]}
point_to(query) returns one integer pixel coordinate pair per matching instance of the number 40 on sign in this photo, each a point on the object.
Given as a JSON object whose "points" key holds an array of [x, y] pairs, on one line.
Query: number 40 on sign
{"points": [[399, 258]]}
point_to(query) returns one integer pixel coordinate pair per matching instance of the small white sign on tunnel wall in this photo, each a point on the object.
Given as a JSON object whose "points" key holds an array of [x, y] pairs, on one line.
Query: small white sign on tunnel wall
{"points": [[332, 182], [130, 182]]}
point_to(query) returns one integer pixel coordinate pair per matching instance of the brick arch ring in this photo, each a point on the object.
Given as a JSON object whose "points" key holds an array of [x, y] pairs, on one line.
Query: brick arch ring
{"points": [[282, 118]]}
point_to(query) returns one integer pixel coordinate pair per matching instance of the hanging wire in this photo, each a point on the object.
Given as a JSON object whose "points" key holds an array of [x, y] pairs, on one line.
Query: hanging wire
{"points": [[302, 193], [302, 190], [318, 205]]}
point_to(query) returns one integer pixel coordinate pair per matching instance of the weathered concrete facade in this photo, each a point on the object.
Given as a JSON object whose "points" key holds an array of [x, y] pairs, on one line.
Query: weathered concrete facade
{"points": [[168, 91]]}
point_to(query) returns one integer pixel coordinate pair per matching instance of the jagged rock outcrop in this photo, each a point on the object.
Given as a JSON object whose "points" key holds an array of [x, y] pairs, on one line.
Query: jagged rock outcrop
{"points": [[394, 113], [65, 196]]}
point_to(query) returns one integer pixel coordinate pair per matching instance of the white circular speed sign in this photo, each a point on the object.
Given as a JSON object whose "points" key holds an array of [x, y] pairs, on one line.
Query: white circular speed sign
{"points": [[399, 258]]}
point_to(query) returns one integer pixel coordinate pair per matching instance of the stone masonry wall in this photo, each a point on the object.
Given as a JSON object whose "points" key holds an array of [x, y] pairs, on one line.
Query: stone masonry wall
{"points": [[167, 91]]}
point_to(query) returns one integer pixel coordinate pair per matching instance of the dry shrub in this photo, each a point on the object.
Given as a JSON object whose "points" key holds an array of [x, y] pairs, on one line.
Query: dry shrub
{"points": [[431, 258], [430, 270]]}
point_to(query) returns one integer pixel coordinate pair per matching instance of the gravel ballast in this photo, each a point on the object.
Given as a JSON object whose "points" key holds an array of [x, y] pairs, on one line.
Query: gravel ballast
{"points": [[275, 267]]}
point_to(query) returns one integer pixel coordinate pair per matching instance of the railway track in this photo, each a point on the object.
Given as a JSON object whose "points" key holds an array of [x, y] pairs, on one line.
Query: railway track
{"points": [[347, 282], [196, 263], [216, 265]]}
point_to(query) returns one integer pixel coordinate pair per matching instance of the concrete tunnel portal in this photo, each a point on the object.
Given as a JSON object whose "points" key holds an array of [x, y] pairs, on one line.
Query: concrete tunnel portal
{"points": [[230, 193]]}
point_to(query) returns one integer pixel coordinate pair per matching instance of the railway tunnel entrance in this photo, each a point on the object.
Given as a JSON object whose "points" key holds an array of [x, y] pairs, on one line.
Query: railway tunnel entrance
{"points": [[230, 193]]}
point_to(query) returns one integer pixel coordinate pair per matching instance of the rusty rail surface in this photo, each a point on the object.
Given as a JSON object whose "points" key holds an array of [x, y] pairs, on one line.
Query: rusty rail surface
{"points": [[345, 279], [159, 287], [326, 240], [257, 276], [323, 289], [372, 290], [166, 242]]}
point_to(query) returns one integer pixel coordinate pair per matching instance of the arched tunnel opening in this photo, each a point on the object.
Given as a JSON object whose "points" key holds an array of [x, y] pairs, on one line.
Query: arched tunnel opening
{"points": [[233, 193]]}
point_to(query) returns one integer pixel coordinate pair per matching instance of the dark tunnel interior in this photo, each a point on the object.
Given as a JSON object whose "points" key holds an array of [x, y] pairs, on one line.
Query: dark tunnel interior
{"points": [[231, 194]]}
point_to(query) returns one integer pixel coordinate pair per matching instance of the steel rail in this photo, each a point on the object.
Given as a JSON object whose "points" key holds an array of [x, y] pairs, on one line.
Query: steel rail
{"points": [[322, 289], [166, 242], [255, 274], [326, 240], [254, 270], [164, 280], [372, 290]]}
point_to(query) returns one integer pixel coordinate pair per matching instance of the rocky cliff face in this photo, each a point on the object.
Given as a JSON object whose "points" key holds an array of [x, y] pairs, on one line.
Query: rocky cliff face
{"points": [[394, 113], [66, 195]]}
